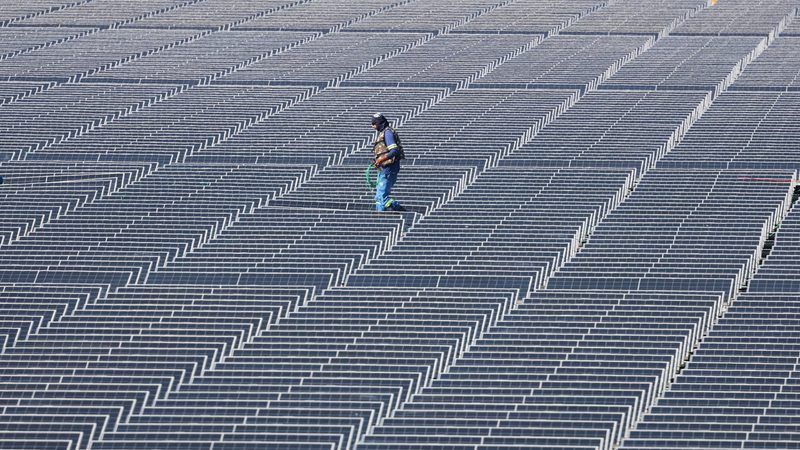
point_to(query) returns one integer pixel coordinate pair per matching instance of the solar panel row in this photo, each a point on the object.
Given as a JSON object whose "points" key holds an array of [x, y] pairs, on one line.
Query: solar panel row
{"points": [[675, 233], [466, 58], [19, 40], [773, 70], [322, 130], [689, 62], [12, 91], [614, 129], [452, 132], [739, 389], [76, 58], [189, 263], [433, 16], [99, 365], [68, 111], [212, 14], [320, 16], [20, 11], [740, 18], [36, 193], [480, 239], [567, 61], [629, 17], [531, 17], [220, 53], [104, 14], [118, 239], [777, 274], [743, 130], [568, 368], [176, 127]]}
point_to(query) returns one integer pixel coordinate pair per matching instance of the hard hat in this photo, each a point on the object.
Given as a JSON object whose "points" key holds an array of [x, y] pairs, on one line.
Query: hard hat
{"points": [[378, 119]]}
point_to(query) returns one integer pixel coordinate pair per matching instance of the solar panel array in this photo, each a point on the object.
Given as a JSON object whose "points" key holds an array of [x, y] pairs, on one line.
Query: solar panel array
{"points": [[599, 248]]}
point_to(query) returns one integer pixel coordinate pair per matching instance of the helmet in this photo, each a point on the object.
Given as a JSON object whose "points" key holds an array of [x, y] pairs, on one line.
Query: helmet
{"points": [[379, 121]]}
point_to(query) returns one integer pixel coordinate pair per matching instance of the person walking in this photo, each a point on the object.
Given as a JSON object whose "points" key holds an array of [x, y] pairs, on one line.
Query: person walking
{"points": [[388, 152]]}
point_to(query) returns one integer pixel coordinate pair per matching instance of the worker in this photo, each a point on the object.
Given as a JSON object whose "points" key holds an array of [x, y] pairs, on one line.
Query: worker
{"points": [[388, 152]]}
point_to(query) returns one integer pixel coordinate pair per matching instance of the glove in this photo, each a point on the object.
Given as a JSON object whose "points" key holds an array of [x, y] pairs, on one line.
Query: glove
{"points": [[379, 162]]}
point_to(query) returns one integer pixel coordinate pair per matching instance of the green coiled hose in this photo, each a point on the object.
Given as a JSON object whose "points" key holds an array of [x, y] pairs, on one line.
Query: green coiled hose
{"points": [[370, 184]]}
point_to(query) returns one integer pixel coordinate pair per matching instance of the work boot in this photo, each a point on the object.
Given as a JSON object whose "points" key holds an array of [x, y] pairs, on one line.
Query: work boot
{"points": [[394, 205]]}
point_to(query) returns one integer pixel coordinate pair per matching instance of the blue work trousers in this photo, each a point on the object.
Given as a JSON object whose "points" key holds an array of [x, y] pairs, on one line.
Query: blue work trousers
{"points": [[386, 179]]}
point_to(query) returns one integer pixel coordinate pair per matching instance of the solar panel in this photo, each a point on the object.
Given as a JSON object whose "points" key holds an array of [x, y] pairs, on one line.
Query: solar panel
{"points": [[20, 40], [17, 12], [631, 17], [598, 249], [771, 71], [75, 58], [604, 130], [447, 60], [205, 58], [530, 17], [429, 17], [212, 14], [104, 14], [735, 133], [173, 139], [563, 61], [688, 62], [739, 18], [319, 16], [35, 124]]}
